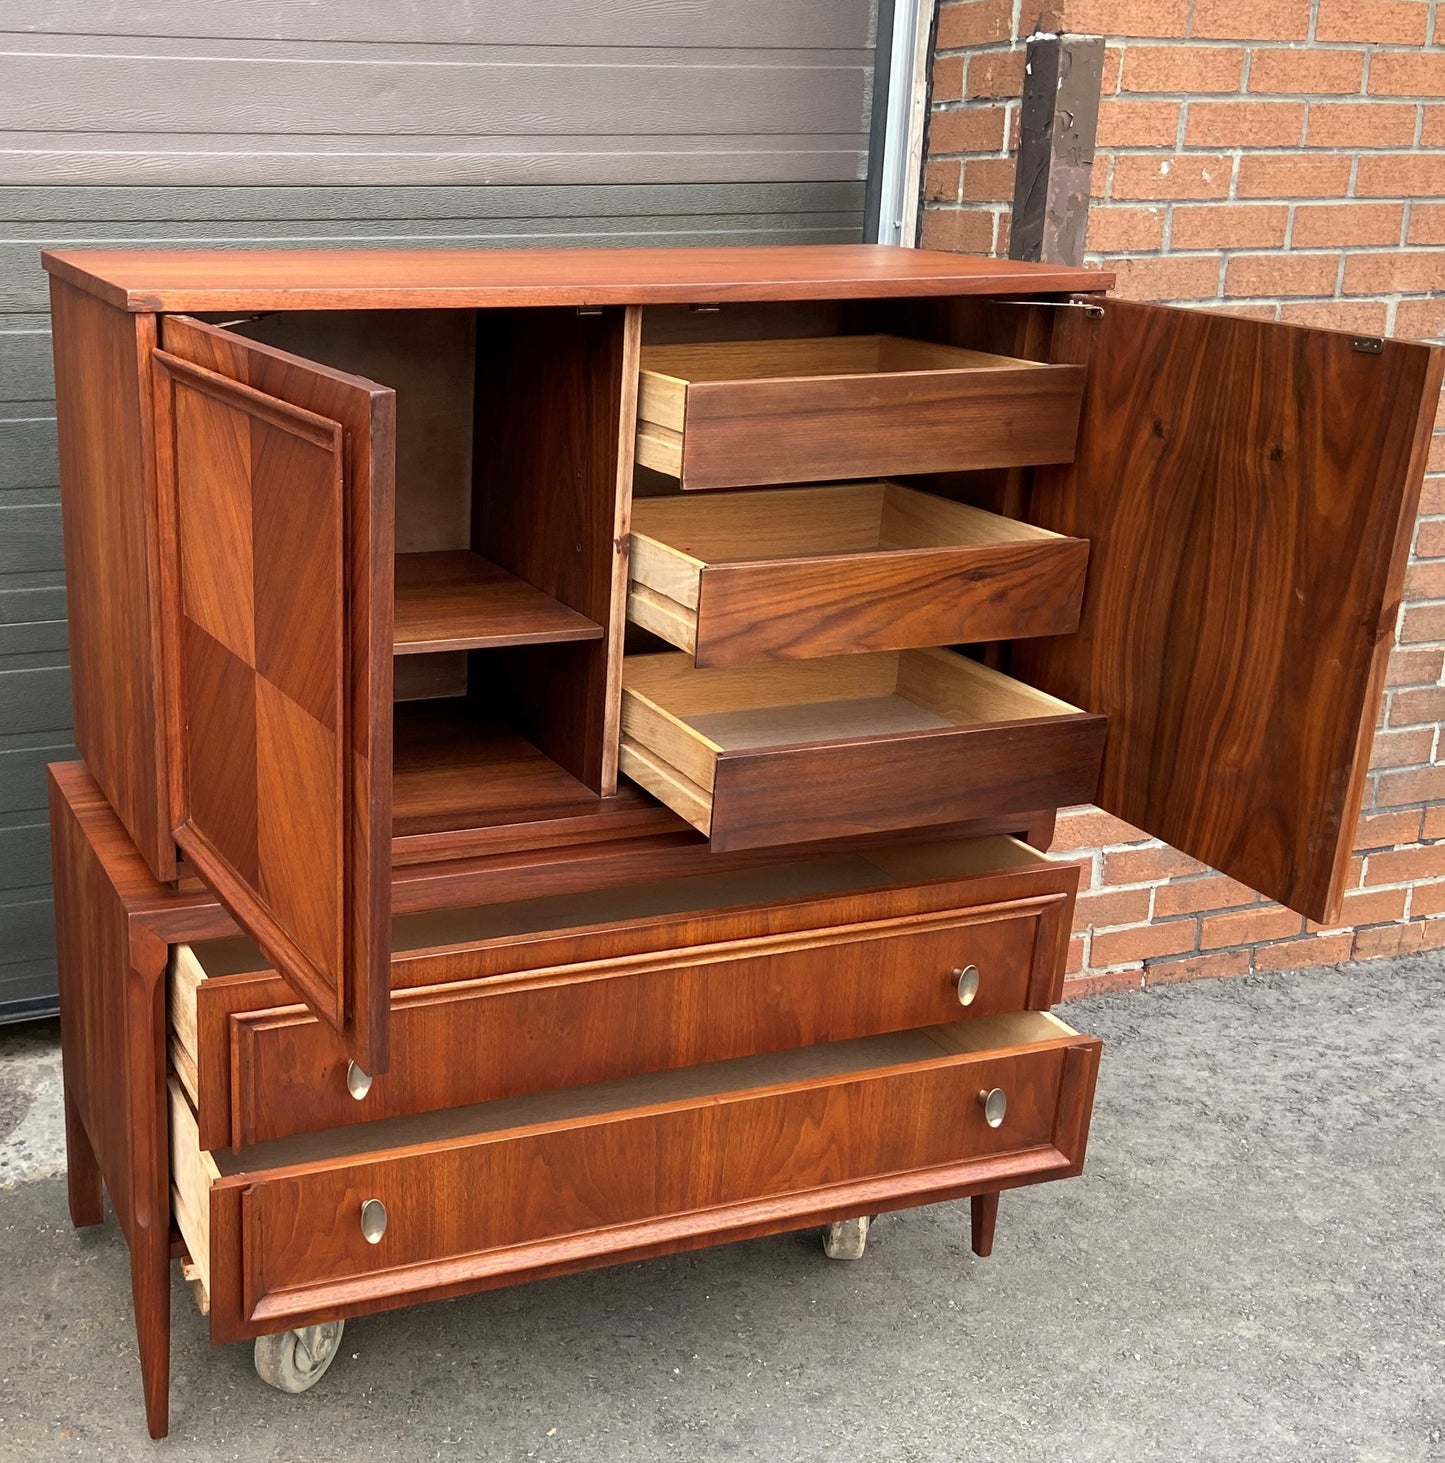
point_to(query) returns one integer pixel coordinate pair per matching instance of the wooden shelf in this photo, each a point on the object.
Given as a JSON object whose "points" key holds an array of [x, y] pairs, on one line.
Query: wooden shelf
{"points": [[464, 785], [457, 600]]}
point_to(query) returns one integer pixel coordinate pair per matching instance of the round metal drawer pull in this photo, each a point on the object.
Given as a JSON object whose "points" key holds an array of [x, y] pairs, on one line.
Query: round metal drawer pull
{"points": [[373, 1221], [965, 982], [994, 1105], [358, 1083]]}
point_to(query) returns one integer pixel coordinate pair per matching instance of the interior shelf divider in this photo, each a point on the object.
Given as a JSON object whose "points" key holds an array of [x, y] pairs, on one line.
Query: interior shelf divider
{"points": [[457, 600]]}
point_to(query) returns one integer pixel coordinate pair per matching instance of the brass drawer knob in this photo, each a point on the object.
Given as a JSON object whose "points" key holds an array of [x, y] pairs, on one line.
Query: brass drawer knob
{"points": [[358, 1083], [965, 982], [373, 1221], [994, 1105]]}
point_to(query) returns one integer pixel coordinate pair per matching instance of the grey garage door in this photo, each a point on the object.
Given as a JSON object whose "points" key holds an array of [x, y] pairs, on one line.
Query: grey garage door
{"points": [[365, 123]]}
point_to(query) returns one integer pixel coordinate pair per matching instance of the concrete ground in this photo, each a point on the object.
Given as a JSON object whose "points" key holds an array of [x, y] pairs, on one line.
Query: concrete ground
{"points": [[1251, 1269]]}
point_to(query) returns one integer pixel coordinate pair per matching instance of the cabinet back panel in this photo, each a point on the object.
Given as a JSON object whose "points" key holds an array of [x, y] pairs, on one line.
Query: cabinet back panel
{"points": [[428, 357]]}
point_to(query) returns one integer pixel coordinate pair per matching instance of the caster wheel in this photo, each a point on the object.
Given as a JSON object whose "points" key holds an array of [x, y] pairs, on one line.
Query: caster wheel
{"points": [[294, 1361], [847, 1239]]}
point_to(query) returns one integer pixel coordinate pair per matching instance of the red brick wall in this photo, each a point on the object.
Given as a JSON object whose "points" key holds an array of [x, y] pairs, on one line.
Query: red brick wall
{"points": [[1284, 159]]}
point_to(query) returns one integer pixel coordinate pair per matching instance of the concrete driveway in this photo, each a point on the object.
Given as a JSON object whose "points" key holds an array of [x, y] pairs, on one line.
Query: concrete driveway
{"points": [[1253, 1267]]}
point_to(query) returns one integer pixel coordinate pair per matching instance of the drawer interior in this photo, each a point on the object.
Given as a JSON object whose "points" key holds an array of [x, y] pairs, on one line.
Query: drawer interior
{"points": [[730, 412], [668, 369], [835, 698], [684, 719], [674, 538]]}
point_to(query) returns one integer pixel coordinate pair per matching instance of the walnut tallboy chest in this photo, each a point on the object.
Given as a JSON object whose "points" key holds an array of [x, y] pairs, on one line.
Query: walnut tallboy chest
{"points": [[568, 734]]}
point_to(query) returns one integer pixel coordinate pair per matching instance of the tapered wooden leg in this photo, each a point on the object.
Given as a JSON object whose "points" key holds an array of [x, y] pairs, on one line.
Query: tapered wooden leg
{"points": [[150, 1236], [983, 1212], [82, 1172], [150, 1283]]}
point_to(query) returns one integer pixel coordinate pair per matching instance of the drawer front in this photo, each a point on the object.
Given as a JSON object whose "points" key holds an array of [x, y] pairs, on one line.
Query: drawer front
{"points": [[511, 1205], [790, 794], [747, 432], [472, 1041], [838, 604]]}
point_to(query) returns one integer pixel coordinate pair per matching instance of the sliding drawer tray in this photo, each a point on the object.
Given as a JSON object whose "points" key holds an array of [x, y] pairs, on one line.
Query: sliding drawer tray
{"points": [[792, 573], [366, 1218], [730, 414], [501, 1000], [849, 744]]}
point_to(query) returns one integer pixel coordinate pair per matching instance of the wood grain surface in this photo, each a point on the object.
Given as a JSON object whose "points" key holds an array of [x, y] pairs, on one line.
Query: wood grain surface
{"points": [[960, 411], [112, 1037], [300, 279], [551, 394], [587, 1007], [107, 505], [277, 616], [467, 785], [1248, 491], [862, 566], [457, 600], [644, 1165]]}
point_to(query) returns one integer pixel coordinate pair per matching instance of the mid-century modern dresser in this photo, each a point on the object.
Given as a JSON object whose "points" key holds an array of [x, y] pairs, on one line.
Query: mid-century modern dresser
{"points": [[568, 735]]}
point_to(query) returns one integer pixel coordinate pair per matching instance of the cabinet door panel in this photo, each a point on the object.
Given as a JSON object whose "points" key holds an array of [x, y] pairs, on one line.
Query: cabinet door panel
{"points": [[1248, 492], [275, 493]]}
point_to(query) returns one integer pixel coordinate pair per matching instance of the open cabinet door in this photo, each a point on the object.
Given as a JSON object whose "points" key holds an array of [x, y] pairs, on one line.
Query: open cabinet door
{"points": [[1248, 491], [275, 487]]}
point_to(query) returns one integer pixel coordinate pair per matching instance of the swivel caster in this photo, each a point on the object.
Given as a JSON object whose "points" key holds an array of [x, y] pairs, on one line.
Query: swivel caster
{"points": [[846, 1239], [294, 1361]]}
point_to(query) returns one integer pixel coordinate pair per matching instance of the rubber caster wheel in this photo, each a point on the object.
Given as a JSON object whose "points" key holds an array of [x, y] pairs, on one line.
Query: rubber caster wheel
{"points": [[846, 1239], [294, 1361]]}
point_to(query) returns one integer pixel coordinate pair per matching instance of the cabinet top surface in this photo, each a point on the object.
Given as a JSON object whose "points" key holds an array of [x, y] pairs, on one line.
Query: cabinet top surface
{"points": [[335, 279]]}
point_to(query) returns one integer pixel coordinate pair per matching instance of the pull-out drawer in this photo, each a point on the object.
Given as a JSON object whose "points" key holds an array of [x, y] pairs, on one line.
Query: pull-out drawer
{"points": [[791, 573], [361, 1219], [849, 744], [729, 414], [682, 972]]}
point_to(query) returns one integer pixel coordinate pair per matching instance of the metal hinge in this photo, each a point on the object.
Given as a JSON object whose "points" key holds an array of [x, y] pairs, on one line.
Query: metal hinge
{"points": [[1092, 308], [1370, 345], [589, 309]]}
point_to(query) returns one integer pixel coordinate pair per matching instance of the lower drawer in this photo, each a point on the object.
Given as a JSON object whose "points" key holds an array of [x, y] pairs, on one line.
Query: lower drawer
{"points": [[845, 745], [362, 1219], [817, 951]]}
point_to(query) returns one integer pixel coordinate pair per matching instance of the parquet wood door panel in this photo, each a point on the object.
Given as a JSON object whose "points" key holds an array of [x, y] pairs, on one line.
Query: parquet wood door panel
{"points": [[1248, 491], [275, 596]]}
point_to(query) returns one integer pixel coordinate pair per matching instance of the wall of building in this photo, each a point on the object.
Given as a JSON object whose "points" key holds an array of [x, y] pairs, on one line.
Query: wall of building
{"points": [[1284, 160]]}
